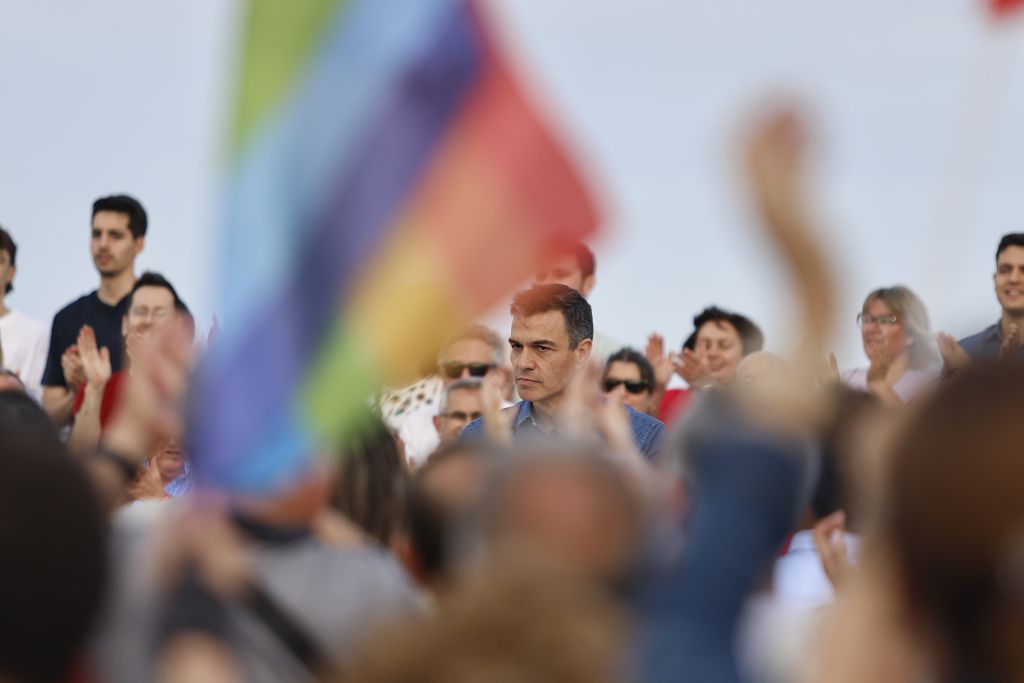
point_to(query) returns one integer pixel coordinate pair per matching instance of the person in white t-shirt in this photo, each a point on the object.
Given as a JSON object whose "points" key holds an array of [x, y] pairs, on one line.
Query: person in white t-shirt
{"points": [[23, 340]]}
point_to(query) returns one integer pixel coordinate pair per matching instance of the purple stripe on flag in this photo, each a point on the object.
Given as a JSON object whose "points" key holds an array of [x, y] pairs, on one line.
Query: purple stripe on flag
{"points": [[241, 403]]}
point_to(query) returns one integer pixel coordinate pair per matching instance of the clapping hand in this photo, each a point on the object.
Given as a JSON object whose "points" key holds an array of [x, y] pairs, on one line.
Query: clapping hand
{"points": [[94, 362], [71, 364], [953, 354], [150, 405], [693, 369], [663, 363]]}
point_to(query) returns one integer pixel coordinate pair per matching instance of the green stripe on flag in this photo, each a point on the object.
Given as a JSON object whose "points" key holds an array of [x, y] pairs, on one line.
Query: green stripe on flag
{"points": [[280, 36]]}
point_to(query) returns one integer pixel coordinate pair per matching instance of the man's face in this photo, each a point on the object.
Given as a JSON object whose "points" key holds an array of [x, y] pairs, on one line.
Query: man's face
{"points": [[565, 270], [152, 307], [1009, 279], [467, 357], [718, 345], [542, 361], [170, 461], [113, 247], [6, 272], [464, 406]]}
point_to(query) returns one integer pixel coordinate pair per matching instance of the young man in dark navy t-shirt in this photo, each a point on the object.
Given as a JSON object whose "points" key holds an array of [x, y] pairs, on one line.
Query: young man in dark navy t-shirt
{"points": [[118, 236]]}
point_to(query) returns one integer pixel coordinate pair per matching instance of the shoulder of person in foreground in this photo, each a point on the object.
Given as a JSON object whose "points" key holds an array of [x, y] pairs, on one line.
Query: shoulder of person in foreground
{"points": [[649, 432]]}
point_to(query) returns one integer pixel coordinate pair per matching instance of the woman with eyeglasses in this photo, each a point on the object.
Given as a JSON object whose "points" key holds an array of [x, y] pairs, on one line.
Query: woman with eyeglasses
{"points": [[629, 378], [899, 344]]}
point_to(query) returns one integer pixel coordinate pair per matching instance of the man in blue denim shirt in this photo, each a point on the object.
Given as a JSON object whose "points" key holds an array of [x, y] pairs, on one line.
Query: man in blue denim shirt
{"points": [[552, 336], [1004, 337]]}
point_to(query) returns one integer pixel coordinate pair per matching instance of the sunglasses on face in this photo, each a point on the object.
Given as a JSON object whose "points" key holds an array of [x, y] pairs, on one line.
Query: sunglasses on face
{"points": [[632, 387], [455, 370], [459, 415]]}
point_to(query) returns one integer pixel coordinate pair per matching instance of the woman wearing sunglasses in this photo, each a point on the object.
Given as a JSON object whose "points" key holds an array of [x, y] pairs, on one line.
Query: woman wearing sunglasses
{"points": [[899, 344], [629, 378]]}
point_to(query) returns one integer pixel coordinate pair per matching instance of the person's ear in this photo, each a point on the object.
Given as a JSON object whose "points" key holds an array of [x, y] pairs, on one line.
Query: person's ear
{"points": [[437, 423], [583, 350], [588, 284], [11, 272], [139, 244]]}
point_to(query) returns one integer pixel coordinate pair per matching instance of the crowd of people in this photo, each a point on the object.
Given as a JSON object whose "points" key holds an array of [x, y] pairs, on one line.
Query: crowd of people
{"points": [[543, 505]]}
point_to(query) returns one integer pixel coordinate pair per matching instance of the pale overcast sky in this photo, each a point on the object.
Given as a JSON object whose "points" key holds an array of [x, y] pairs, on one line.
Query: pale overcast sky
{"points": [[102, 96]]}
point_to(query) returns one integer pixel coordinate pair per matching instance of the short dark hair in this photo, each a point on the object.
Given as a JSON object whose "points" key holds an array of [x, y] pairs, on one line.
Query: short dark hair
{"points": [[750, 334], [130, 206], [7, 244], [151, 279], [1012, 239], [630, 355], [585, 259], [51, 581], [578, 316]]}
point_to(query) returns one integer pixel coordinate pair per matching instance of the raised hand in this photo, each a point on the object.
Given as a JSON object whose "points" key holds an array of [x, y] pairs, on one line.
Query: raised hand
{"points": [[497, 423], [1011, 343], [881, 362], [661, 362], [952, 353], [148, 485], [776, 151], [830, 540], [95, 362], [71, 364], [691, 368], [150, 405]]}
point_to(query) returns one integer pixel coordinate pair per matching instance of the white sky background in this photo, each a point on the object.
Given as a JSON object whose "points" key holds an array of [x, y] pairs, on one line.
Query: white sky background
{"points": [[103, 96]]}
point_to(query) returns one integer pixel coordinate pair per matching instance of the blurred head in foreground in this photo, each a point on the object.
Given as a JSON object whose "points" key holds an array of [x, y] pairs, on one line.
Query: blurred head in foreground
{"points": [[53, 533], [517, 622], [956, 523], [570, 504]]}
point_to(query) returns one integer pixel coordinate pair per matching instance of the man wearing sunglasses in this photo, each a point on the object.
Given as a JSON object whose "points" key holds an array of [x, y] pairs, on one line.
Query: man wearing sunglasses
{"points": [[551, 340], [412, 412]]}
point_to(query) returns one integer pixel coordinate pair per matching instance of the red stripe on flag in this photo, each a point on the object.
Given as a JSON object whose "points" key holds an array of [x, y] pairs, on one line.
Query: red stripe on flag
{"points": [[501, 196], [1002, 8]]}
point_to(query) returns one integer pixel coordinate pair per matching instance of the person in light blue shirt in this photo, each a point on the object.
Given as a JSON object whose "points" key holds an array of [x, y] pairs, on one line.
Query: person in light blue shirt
{"points": [[551, 340]]}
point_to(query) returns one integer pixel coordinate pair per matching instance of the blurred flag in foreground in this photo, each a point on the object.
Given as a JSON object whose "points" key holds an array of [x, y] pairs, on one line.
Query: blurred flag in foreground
{"points": [[388, 181], [1005, 7]]}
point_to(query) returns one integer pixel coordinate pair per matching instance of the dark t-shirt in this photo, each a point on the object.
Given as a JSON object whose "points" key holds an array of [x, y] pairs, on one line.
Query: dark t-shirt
{"points": [[86, 310]]}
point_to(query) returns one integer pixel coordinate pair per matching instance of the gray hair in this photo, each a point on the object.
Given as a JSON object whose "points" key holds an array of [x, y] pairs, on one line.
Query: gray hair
{"points": [[468, 384]]}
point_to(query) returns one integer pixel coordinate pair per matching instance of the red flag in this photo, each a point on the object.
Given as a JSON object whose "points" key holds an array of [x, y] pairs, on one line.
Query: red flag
{"points": [[1004, 8]]}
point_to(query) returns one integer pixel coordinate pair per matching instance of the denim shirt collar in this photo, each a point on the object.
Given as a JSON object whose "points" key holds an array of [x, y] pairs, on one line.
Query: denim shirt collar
{"points": [[525, 416]]}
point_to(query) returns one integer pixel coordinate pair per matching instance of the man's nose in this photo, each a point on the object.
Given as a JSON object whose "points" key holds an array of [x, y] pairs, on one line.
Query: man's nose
{"points": [[618, 393]]}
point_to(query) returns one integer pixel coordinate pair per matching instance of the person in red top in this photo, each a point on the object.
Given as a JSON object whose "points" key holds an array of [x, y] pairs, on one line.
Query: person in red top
{"points": [[709, 358], [152, 303]]}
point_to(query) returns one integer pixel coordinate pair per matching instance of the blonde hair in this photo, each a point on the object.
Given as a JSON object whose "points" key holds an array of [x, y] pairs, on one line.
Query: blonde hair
{"points": [[911, 313]]}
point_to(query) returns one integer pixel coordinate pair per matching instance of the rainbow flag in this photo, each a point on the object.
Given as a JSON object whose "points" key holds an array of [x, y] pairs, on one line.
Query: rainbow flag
{"points": [[388, 181]]}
